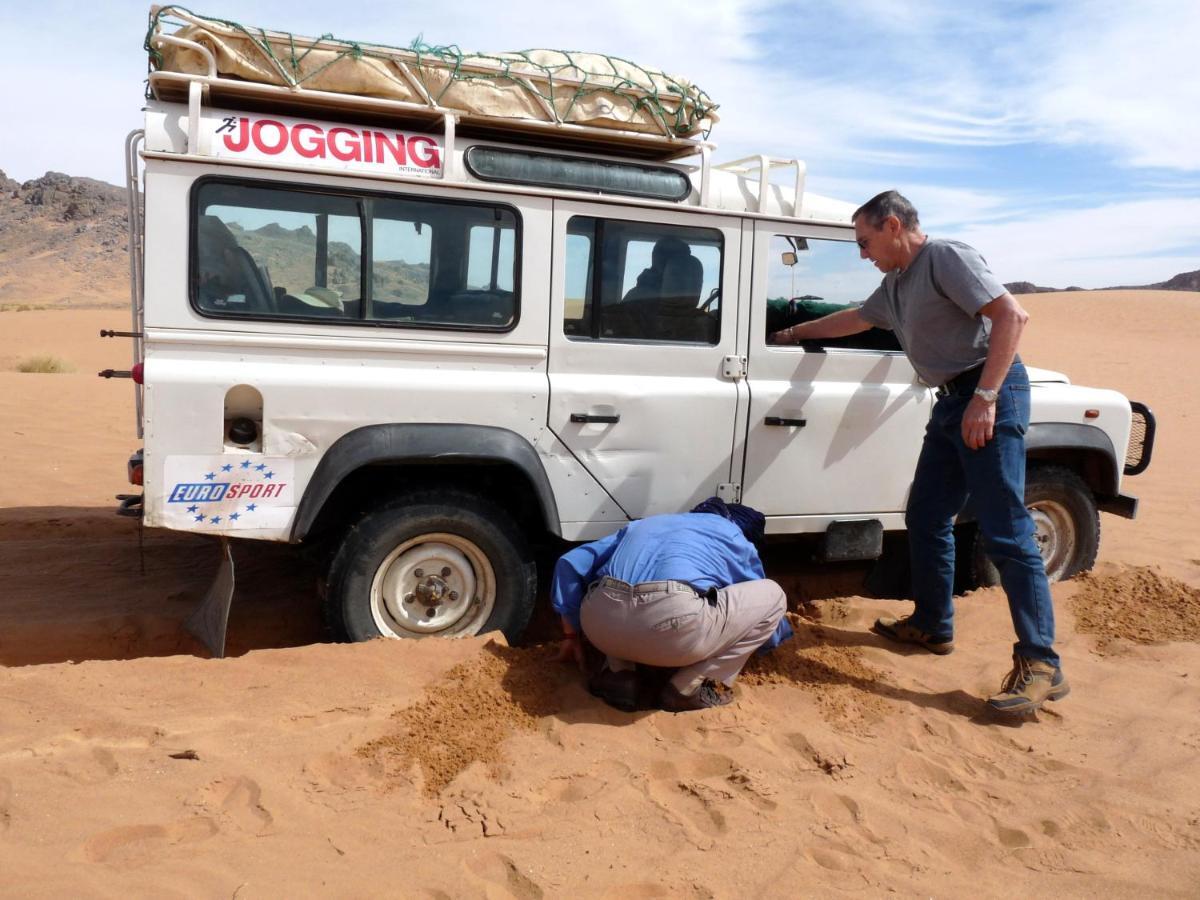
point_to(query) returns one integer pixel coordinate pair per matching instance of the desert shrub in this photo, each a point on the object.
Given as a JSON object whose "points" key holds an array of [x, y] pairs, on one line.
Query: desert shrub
{"points": [[45, 365]]}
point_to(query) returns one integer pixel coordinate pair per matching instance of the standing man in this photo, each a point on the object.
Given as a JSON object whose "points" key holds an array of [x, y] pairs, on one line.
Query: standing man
{"points": [[960, 329], [685, 591]]}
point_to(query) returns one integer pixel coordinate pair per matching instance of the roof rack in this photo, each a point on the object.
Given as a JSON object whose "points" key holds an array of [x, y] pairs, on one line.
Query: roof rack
{"points": [[215, 90], [762, 164], [221, 90]]}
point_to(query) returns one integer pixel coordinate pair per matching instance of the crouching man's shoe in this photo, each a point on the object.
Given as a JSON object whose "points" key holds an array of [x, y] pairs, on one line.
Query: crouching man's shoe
{"points": [[619, 689], [905, 632], [706, 696], [1030, 684]]}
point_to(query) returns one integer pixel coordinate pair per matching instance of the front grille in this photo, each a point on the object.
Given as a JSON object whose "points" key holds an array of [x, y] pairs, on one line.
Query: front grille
{"points": [[1141, 438]]}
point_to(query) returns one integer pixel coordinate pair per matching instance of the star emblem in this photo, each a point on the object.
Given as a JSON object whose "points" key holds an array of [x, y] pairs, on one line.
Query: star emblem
{"points": [[210, 476], [252, 507], [215, 519], [192, 508], [200, 517], [268, 474], [246, 464], [233, 517], [228, 467]]}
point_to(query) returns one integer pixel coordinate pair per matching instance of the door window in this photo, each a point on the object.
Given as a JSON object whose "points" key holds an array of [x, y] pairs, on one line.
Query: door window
{"points": [[808, 278], [642, 281]]}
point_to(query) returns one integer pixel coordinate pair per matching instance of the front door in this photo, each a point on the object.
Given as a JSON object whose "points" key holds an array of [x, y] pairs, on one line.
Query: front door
{"points": [[642, 318], [834, 432]]}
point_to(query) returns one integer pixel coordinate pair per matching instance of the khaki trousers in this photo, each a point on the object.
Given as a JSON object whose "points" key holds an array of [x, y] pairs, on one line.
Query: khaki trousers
{"points": [[666, 623]]}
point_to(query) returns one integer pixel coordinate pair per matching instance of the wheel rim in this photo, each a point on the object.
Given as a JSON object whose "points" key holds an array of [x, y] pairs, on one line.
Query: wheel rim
{"points": [[433, 584], [1055, 536]]}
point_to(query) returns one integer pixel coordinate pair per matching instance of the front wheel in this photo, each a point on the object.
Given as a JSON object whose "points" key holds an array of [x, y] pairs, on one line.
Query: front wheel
{"points": [[441, 563], [1067, 526]]}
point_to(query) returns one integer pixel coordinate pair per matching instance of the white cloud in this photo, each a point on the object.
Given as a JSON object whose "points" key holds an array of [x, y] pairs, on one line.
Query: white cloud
{"points": [[1125, 78]]}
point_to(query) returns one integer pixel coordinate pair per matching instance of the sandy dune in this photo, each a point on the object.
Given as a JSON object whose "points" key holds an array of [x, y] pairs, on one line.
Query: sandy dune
{"points": [[130, 765]]}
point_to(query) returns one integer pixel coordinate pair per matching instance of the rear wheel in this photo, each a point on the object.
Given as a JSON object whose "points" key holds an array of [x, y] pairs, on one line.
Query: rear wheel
{"points": [[1067, 526], [441, 563]]}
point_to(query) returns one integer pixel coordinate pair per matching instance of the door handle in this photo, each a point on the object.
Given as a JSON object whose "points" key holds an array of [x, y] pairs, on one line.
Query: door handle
{"points": [[787, 423], [590, 417]]}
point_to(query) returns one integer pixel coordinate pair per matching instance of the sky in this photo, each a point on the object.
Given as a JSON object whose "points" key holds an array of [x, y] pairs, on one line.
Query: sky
{"points": [[1059, 138]]}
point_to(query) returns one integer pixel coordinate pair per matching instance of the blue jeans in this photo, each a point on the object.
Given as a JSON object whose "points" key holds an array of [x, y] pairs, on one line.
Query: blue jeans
{"points": [[993, 477]]}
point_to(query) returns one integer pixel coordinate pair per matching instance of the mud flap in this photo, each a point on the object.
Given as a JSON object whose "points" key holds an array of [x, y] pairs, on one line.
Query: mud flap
{"points": [[208, 621]]}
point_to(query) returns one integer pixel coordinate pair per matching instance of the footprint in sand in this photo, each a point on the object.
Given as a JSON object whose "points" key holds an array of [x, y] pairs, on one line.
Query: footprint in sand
{"points": [[918, 775], [754, 786], [693, 805], [130, 846], [240, 798], [1012, 838], [495, 870], [338, 776]]}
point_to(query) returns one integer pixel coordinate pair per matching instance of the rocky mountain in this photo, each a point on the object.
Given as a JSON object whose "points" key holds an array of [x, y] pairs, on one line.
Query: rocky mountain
{"points": [[1185, 281], [62, 243]]}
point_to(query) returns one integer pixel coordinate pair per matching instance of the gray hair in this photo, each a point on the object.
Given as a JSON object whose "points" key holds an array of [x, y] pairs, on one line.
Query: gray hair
{"points": [[889, 203]]}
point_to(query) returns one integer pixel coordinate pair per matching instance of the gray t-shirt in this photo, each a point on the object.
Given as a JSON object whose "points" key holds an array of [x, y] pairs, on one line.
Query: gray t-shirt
{"points": [[933, 306]]}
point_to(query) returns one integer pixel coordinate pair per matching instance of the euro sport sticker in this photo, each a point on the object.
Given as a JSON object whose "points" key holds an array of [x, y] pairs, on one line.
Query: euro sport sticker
{"points": [[310, 143], [228, 493]]}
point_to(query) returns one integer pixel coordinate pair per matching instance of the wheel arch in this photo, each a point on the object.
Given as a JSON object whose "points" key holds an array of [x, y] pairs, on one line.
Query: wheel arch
{"points": [[480, 453], [1086, 449]]}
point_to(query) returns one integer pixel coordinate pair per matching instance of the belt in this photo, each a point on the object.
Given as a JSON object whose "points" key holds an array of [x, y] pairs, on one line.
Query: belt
{"points": [[966, 382], [646, 586], [962, 383]]}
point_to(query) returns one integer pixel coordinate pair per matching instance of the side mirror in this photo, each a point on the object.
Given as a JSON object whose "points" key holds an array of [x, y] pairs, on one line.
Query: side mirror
{"points": [[789, 258]]}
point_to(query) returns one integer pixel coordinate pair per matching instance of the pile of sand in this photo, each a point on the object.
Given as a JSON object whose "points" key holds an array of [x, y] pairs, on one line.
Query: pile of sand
{"points": [[846, 688], [466, 717], [1138, 604]]}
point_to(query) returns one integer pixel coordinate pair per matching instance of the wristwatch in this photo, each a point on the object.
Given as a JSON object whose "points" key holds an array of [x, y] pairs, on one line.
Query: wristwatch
{"points": [[986, 395]]}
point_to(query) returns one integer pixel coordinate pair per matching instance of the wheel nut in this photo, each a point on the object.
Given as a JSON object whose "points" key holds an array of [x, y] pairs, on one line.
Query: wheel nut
{"points": [[454, 595], [446, 572], [420, 573], [431, 612]]}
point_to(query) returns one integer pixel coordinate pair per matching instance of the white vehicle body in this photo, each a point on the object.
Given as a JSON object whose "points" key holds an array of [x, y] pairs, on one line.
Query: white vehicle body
{"points": [[594, 432]]}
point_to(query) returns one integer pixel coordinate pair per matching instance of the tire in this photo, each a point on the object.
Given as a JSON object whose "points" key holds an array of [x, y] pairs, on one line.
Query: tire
{"points": [[431, 563], [1067, 521]]}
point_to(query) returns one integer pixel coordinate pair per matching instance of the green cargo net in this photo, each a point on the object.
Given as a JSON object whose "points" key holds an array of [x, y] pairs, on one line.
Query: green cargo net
{"points": [[561, 86]]}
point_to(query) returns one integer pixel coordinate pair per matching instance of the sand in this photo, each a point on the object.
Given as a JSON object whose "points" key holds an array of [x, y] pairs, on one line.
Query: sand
{"points": [[130, 765]]}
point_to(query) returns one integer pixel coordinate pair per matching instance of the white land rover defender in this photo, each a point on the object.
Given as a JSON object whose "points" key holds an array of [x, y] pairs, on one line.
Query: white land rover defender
{"points": [[433, 335]]}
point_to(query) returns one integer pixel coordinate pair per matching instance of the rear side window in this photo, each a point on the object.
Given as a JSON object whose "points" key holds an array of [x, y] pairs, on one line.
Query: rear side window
{"points": [[287, 253], [642, 281]]}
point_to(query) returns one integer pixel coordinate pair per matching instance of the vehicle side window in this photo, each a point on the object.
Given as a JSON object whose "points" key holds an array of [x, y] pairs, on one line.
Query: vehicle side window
{"points": [[279, 252], [438, 263], [271, 252], [641, 281], [808, 278]]}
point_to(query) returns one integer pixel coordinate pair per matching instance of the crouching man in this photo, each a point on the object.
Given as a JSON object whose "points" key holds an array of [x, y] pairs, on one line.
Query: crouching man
{"points": [[683, 591]]}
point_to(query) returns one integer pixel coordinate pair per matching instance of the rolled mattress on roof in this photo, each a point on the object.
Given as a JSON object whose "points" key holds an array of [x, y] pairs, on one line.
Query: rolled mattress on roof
{"points": [[550, 86]]}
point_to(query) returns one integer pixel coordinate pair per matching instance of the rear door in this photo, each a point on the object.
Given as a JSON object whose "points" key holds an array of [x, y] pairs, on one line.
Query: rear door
{"points": [[641, 323]]}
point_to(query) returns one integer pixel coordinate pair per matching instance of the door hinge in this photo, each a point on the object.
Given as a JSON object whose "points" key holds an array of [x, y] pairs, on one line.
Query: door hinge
{"points": [[730, 492], [734, 368]]}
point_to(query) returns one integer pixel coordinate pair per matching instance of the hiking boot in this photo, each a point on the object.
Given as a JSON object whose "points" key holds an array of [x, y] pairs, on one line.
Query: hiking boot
{"points": [[1030, 684], [905, 632], [706, 696], [619, 689]]}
